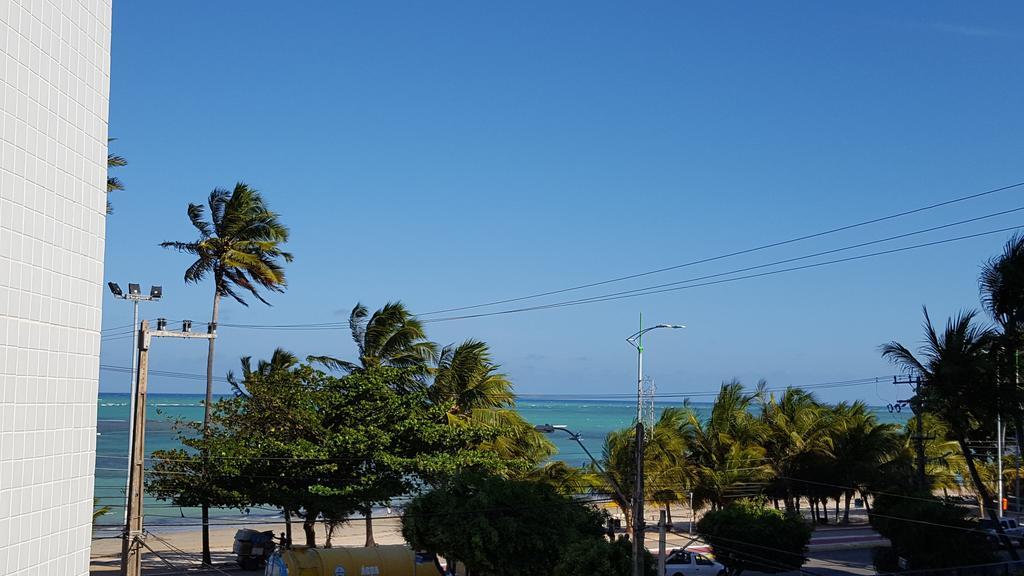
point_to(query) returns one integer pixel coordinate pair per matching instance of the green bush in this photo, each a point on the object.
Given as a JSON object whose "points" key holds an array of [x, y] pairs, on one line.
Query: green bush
{"points": [[929, 532], [502, 527], [748, 535], [599, 557]]}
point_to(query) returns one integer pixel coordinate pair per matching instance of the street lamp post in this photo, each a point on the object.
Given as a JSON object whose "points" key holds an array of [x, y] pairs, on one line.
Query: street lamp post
{"points": [[134, 296], [636, 340], [549, 428]]}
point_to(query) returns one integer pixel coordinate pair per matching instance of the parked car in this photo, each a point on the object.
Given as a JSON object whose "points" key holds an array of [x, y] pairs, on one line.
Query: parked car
{"points": [[683, 562], [1013, 530]]}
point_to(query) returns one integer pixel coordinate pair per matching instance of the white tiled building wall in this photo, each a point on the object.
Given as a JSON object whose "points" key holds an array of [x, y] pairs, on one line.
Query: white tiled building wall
{"points": [[54, 84]]}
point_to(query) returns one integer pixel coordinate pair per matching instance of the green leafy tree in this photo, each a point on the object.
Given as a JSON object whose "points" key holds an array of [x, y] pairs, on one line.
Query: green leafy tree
{"points": [[390, 337], [240, 247], [500, 527], [318, 446], [928, 532], [748, 535]]}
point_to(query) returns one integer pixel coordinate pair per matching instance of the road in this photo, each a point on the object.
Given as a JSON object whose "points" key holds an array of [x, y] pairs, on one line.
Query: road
{"points": [[833, 550]]}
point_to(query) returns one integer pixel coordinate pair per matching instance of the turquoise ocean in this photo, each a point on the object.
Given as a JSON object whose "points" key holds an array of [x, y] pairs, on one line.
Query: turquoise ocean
{"points": [[593, 419]]}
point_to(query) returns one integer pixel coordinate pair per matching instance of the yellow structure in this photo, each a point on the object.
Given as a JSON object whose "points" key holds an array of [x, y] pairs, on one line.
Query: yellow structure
{"points": [[395, 560]]}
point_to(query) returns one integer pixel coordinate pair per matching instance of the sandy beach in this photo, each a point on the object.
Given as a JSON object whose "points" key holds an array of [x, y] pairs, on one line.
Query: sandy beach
{"points": [[176, 551]]}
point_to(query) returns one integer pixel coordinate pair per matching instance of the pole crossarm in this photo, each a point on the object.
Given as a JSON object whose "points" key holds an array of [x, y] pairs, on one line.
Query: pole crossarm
{"points": [[133, 537]]}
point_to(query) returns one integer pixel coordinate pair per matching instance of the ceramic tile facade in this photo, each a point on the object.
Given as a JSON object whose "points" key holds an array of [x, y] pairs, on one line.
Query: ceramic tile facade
{"points": [[54, 84]]}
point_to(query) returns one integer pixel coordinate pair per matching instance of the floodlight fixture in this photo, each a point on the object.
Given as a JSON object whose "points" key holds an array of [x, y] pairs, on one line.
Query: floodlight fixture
{"points": [[134, 290], [115, 289], [156, 292]]}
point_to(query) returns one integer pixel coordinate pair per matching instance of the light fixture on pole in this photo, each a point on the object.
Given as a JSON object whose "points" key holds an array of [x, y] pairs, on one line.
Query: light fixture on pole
{"points": [[549, 429], [636, 340], [134, 296]]}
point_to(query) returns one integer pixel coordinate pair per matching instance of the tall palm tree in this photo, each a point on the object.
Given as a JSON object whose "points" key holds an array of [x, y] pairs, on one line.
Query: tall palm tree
{"points": [[281, 360], [1002, 294], [240, 247], [860, 447], [466, 379], [113, 182], [796, 427], [958, 386], [723, 450], [392, 337], [667, 475]]}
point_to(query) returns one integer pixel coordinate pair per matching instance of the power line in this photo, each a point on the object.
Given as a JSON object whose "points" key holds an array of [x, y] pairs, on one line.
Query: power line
{"points": [[736, 253], [649, 291], [683, 284], [562, 396]]}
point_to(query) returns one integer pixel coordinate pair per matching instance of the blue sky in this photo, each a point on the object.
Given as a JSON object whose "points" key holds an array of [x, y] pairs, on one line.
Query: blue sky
{"points": [[452, 153]]}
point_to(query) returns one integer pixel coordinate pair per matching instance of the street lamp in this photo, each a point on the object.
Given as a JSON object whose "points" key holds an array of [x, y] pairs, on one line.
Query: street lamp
{"points": [[636, 340], [134, 296], [549, 428]]}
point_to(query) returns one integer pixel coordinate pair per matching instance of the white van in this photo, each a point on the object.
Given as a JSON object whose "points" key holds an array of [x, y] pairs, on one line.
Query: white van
{"points": [[684, 562]]}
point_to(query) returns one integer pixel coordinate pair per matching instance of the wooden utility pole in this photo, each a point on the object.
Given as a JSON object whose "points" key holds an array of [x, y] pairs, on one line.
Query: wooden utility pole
{"points": [[131, 546], [131, 549]]}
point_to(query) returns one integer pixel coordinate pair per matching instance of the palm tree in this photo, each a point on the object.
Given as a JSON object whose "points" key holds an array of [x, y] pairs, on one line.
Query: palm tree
{"points": [[113, 182], [796, 428], [860, 447], [467, 381], [566, 479], [392, 337], [240, 246], [667, 475], [724, 449], [1002, 294], [280, 360], [618, 459], [958, 386], [467, 378]]}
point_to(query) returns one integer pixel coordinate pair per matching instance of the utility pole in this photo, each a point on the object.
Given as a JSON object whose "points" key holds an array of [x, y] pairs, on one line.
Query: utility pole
{"points": [[636, 340], [999, 463], [639, 527], [918, 406], [131, 545], [131, 549], [661, 544], [692, 514], [134, 296]]}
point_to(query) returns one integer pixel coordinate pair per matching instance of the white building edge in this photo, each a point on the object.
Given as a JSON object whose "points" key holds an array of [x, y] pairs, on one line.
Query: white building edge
{"points": [[54, 86]]}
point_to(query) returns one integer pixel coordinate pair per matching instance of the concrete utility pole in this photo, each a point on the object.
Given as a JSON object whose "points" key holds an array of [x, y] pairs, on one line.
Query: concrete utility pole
{"points": [[131, 545]]}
